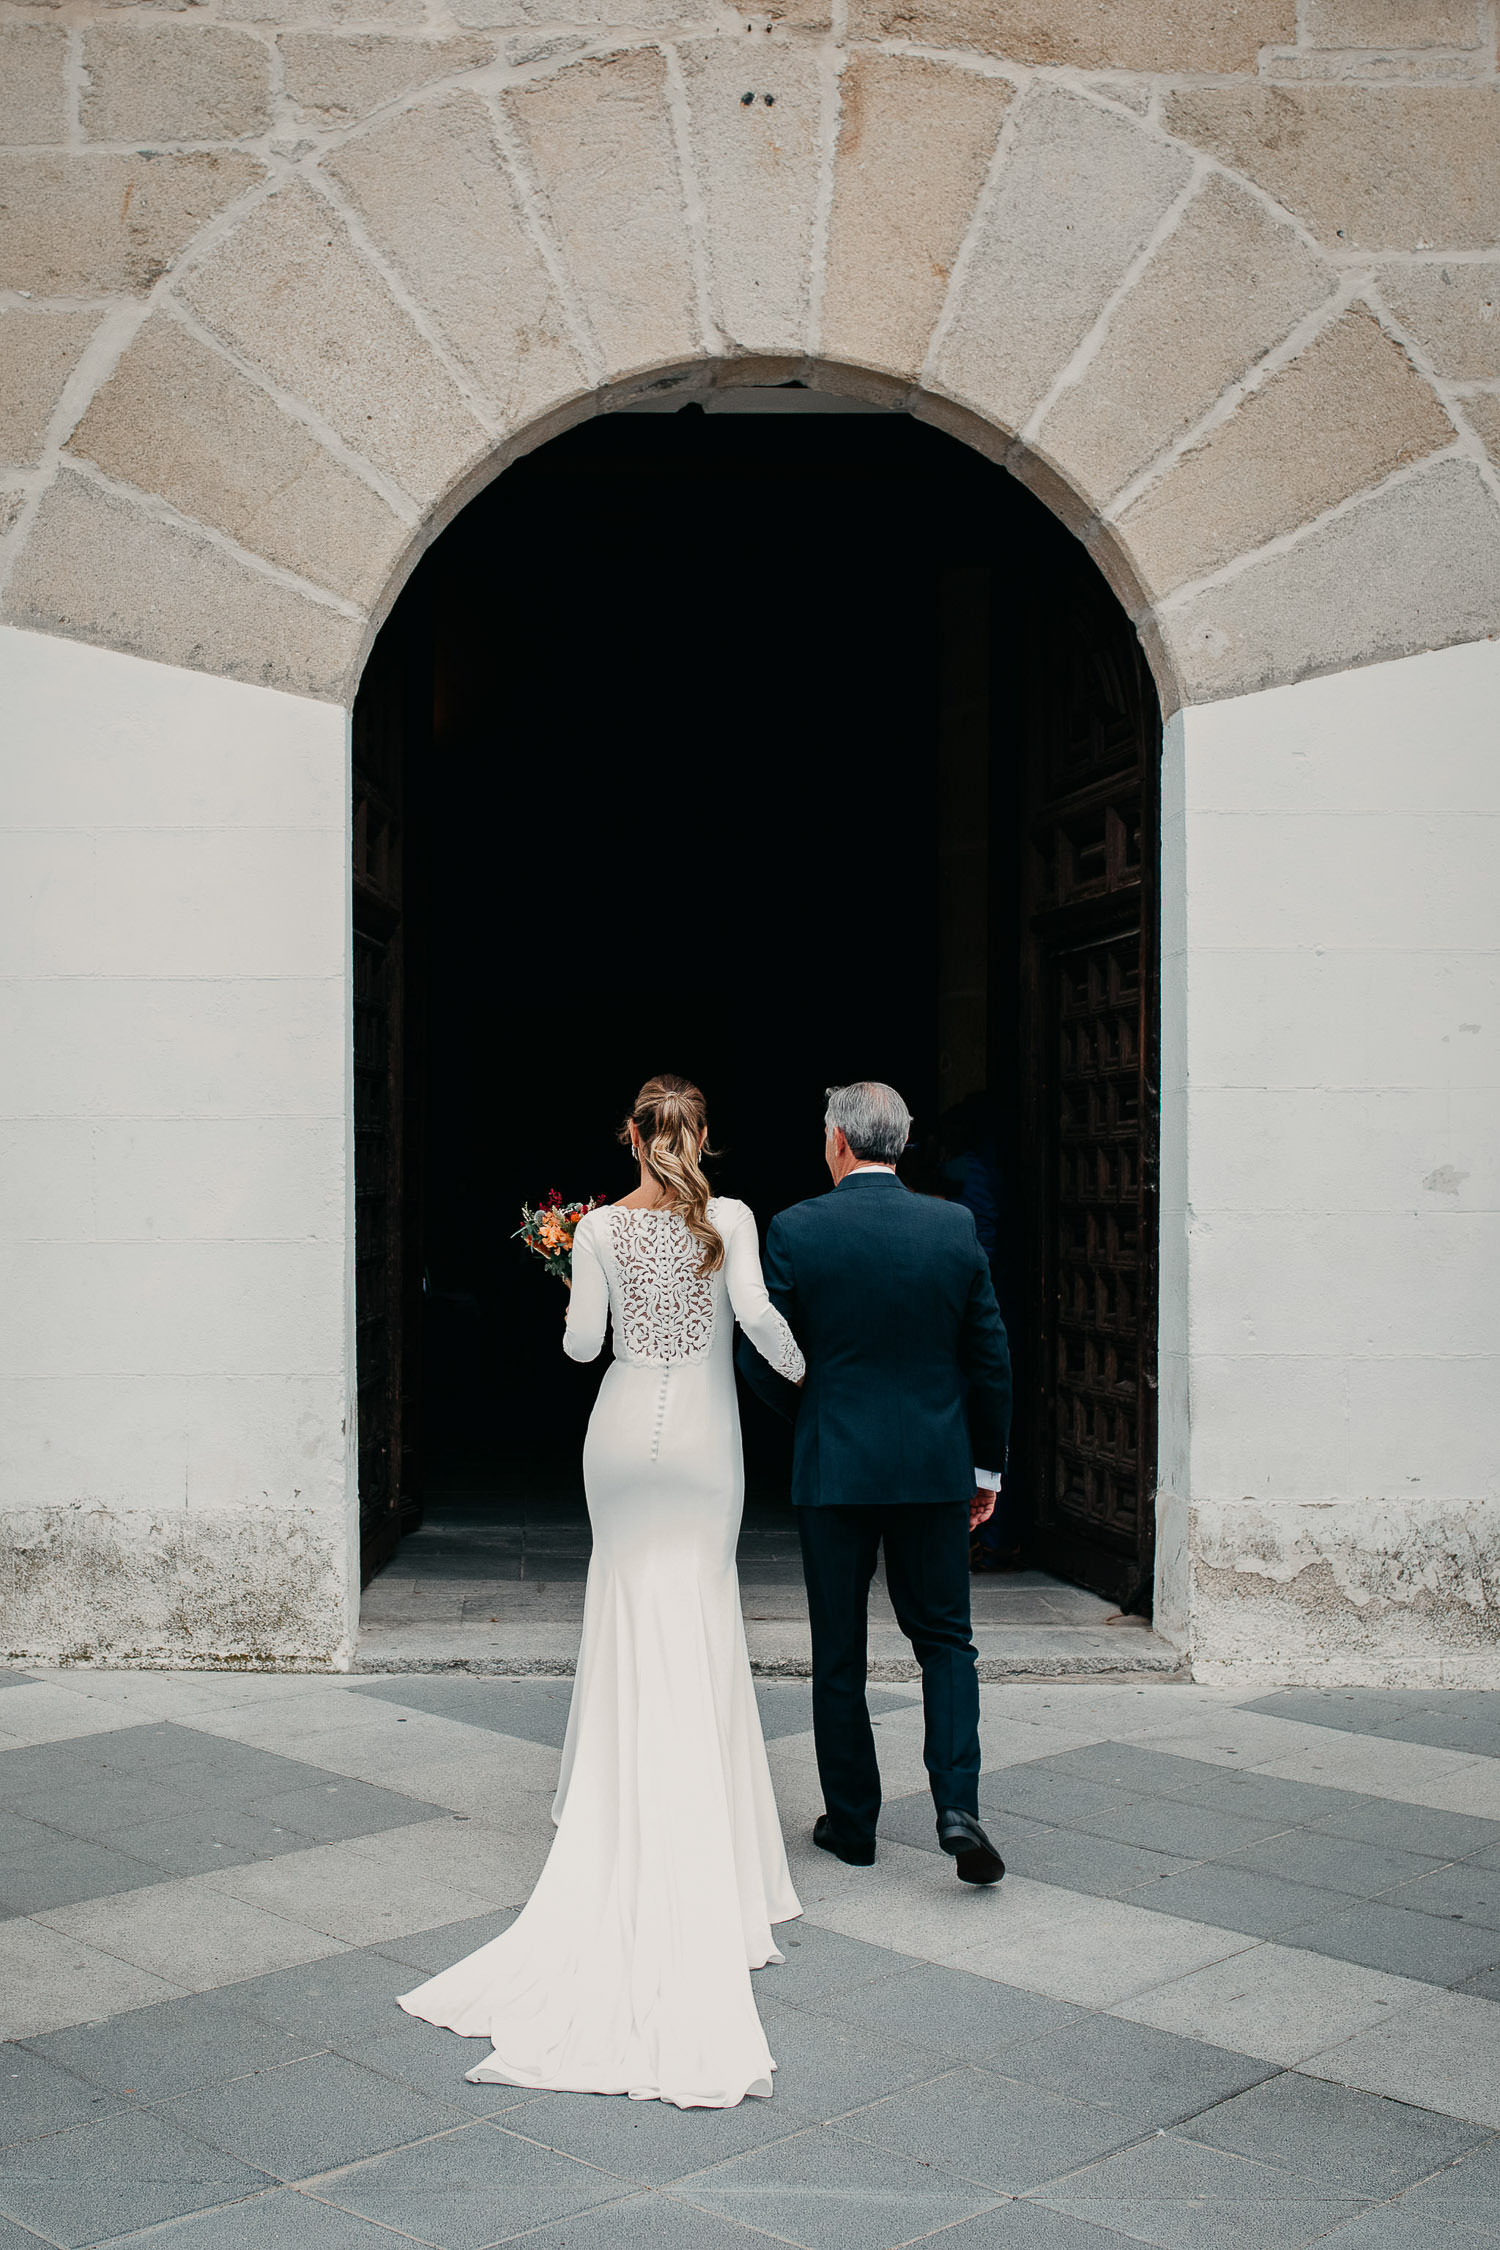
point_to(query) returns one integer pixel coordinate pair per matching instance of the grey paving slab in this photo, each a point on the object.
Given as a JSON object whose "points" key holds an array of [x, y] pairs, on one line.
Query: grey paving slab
{"points": [[17, 1679], [820, 1963], [66, 1871], [955, 2015], [1335, 1863], [280, 2219], [127, 2171], [434, 2062], [1008, 2135], [1484, 1986], [1040, 1792], [532, 1710], [825, 2191], [153, 2053], [188, 1840], [1231, 1896], [432, 1950], [1167, 1824], [467, 2189], [1335, 2136], [94, 1806], [39, 2095], [1388, 2227], [646, 2221], [786, 1705], [13, 2237], [1026, 2225], [309, 2116], [1463, 1893], [1465, 2194], [1402, 1943], [1264, 1796], [1444, 1719], [826, 2064], [1186, 2196], [21, 1835], [1151, 2077], [344, 1996], [334, 1808], [653, 2144], [52, 1769], [1413, 1828], [1080, 1861]]}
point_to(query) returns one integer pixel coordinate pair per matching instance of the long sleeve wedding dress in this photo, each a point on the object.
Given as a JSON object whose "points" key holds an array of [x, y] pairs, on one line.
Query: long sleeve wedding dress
{"points": [[628, 1970]]}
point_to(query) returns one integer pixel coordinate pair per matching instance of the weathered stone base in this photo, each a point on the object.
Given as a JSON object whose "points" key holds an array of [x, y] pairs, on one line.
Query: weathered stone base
{"points": [[1377, 1593], [258, 1587]]}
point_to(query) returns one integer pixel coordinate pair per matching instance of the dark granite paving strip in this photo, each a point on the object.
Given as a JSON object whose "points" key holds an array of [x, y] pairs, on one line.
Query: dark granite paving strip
{"points": [[18, 1679], [104, 1814], [1441, 1718], [1338, 2138], [537, 1710], [467, 2189], [1186, 2196], [827, 2191], [129, 2170]]}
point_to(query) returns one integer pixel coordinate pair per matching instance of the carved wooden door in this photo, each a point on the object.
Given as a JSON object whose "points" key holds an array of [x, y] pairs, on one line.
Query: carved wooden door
{"points": [[388, 710], [1090, 1002]]}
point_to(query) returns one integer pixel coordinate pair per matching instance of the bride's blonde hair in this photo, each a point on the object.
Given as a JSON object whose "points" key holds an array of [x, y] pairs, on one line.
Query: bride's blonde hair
{"points": [[671, 1117]]}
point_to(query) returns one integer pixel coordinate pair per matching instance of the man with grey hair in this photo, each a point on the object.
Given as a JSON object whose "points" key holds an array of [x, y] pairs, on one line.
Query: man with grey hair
{"points": [[908, 1385]]}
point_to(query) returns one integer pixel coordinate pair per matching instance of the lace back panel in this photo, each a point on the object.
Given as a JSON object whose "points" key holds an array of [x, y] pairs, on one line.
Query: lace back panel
{"points": [[666, 1306]]}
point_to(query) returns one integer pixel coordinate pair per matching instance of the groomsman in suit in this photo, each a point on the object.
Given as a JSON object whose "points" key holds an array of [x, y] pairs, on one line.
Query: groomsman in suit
{"points": [[908, 1384]]}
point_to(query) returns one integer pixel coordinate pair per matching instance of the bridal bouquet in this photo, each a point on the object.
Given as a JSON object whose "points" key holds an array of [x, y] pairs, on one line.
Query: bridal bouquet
{"points": [[549, 1229]]}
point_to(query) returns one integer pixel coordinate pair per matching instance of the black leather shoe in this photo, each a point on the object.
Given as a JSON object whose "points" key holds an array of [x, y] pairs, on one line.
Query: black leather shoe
{"points": [[854, 1855], [961, 1836]]}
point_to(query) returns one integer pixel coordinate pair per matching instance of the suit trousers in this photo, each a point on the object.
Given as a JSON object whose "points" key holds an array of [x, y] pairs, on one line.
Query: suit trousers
{"points": [[927, 1572]]}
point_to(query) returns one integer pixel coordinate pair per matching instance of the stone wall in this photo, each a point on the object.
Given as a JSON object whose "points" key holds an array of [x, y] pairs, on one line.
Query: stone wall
{"points": [[286, 280]]}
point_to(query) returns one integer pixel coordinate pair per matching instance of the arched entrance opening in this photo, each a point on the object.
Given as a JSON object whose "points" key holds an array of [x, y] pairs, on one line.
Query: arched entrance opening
{"points": [[778, 746]]}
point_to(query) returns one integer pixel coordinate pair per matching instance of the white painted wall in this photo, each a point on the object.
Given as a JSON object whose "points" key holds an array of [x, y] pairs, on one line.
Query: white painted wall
{"points": [[175, 1182], [1331, 1245]]}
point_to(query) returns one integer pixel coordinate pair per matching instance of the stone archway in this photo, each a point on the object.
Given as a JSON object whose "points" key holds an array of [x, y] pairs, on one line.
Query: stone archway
{"points": [[287, 293]]}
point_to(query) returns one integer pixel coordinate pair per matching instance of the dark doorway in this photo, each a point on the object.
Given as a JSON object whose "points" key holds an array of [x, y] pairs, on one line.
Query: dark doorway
{"points": [[778, 749]]}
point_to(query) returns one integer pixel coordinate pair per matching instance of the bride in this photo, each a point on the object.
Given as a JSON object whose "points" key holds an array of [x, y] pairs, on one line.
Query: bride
{"points": [[628, 1971]]}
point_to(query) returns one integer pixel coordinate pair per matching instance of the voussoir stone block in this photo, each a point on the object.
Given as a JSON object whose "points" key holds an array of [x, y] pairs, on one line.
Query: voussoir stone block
{"points": [[1453, 311], [174, 82], [1414, 567], [86, 225], [436, 196], [1078, 197], [33, 84], [289, 291], [1175, 35], [915, 143], [598, 138], [337, 76], [1228, 283], [177, 420], [1483, 411], [757, 167], [1391, 24], [97, 568], [38, 352], [1342, 416], [323, 12], [1365, 167]]}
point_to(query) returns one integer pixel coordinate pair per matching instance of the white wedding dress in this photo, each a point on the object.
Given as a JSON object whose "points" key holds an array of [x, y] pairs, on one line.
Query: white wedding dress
{"points": [[628, 1972]]}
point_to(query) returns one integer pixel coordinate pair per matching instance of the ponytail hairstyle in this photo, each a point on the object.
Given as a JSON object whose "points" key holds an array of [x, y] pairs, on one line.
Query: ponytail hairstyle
{"points": [[671, 1117]]}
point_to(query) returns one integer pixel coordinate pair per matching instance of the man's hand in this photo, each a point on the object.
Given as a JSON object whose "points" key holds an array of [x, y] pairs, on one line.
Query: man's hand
{"points": [[982, 1506]]}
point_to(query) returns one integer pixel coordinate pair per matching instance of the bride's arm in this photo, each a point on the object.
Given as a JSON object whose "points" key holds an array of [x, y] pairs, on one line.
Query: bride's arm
{"points": [[588, 1299], [753, 1309]]}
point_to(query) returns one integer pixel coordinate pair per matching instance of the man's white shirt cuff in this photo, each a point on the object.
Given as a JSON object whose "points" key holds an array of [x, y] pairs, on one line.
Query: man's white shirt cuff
{"points": [[987, 1480]]}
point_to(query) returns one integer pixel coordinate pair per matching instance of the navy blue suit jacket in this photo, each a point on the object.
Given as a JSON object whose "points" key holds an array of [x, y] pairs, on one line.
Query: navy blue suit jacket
{"points": [[908, 1369]]}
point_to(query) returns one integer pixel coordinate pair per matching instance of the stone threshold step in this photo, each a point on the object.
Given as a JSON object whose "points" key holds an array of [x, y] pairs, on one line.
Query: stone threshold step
{"points": [[541, 1651]]}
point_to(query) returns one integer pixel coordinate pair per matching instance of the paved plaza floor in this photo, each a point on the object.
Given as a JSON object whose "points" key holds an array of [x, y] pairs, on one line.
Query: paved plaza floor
{"points": [[1239, 1991]]}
